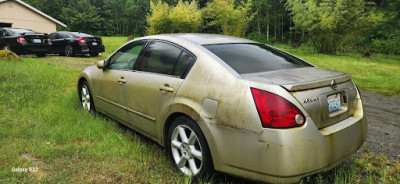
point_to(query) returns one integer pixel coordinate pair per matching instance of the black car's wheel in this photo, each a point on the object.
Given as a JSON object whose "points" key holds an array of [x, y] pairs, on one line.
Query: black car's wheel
{"points": [[85, 96], [5, 47], [94, 54], [40, 54], [69, 50], [188, 148]]}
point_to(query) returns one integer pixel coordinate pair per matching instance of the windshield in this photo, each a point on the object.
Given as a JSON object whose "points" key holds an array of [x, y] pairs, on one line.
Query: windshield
{"points": [[22, 31], [254, 58]]}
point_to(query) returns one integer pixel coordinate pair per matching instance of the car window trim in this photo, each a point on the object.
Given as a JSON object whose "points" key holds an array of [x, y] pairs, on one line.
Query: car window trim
{"points": [[184, 74]]}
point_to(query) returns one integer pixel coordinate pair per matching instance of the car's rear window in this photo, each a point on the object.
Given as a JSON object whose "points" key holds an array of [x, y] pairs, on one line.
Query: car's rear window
{"points": [[253, 58], [77, 34], [22, 31]]}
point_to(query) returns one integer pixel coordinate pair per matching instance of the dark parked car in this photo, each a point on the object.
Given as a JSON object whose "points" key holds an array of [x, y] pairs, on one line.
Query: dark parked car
{"points": [[71, 43], [24, 41]]}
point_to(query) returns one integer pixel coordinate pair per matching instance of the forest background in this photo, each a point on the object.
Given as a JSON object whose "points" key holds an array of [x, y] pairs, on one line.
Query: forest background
{"points": [[327, 26]]}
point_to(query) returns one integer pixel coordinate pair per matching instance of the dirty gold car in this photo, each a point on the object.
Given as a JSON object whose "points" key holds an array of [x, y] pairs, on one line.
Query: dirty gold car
{"points": [[229, 104]]}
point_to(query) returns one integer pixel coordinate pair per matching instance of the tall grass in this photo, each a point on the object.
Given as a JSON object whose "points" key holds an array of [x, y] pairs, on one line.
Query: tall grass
{"points": [[40, 118]]}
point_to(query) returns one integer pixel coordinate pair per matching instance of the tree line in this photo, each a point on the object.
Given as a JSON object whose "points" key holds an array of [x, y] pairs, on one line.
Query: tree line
{"points": [[329, 26]]}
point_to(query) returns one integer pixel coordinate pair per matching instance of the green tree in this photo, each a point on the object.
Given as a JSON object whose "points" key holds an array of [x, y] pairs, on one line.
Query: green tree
{"points": [[185, 17], [229, 18], [331, 24], [158, 21]]}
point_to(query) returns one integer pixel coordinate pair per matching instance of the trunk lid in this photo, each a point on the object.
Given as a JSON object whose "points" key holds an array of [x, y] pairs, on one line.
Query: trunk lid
{"points": [[312, 87], [93, 42], [36, 39]]}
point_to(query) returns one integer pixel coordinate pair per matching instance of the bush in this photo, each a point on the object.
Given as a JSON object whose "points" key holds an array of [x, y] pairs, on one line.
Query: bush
{"points": [[388, 46], [185, 17], [257, 37], [8, 55], [230, 18]]}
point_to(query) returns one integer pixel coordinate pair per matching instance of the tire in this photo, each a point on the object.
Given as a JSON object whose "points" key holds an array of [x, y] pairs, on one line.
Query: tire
{"points": [[85, 97], [40, 54], [6, 47], [69, 51], [94, 54], [188, 148]]}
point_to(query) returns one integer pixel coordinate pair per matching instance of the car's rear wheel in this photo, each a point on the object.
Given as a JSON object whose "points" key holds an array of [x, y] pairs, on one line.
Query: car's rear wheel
{"points": [[69, 51], [188, 148], [85, 97], [94, 54]]}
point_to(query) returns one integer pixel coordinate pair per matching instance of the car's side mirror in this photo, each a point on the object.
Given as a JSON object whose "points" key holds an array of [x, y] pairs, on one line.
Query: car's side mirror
{"points": [[100, 64]]}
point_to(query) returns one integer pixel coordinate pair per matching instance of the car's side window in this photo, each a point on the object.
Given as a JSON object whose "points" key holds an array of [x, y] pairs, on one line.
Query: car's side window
{"points": [[54, 36], [160, 57], [126, 57], [63, 36], [184, 61]]}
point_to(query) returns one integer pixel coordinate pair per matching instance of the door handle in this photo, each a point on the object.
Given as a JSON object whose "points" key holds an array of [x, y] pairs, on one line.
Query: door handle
{"points": [[122, 80], [166, 88]]}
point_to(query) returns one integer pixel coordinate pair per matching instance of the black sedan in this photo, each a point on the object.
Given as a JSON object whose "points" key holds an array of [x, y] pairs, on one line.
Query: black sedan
{"points": [[72, 43], [24, 41]]}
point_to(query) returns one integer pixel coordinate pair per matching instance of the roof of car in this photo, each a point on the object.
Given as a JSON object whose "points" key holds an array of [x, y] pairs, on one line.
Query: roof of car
{"points": [[202, 39]]}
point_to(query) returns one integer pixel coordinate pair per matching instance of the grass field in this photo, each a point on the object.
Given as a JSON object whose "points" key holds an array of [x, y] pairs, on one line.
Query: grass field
{"points": [[43, 128]]}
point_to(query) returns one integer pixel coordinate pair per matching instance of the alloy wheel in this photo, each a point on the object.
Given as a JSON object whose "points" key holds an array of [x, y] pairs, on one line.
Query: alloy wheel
{"points": [[6, 47], [68, 50], [85, 98], [186, 150]]}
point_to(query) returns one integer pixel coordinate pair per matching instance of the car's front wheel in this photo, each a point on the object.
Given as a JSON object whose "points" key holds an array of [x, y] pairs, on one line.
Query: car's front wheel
{"points": [[188, 148], [85, 97], [5, 47], [69, 51]]}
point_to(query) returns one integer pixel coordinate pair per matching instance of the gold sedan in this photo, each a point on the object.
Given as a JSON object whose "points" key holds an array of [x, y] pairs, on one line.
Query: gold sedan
{"points": [[229, 104]]}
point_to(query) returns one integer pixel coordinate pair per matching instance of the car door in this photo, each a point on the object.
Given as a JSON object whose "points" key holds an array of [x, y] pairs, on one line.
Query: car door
{"points": [[152, 88], [112, 81], [2, 43], [57, 43]]}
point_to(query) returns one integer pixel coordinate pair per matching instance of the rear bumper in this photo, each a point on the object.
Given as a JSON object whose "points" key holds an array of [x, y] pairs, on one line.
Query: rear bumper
{"points": [[30, 48], [84, 49], [285, 156]]}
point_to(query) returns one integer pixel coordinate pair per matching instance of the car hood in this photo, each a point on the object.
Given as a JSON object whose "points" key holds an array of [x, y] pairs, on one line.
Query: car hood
{"points": [[299, 78]]}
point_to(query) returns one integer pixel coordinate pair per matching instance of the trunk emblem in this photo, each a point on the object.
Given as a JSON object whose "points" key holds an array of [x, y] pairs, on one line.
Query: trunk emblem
{"points": [[334, 85], [309, 100]]}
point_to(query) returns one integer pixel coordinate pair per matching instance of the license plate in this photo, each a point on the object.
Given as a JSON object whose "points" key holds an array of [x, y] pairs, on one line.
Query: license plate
{"points": [[37, 41], [334, 102], [94, 43]]}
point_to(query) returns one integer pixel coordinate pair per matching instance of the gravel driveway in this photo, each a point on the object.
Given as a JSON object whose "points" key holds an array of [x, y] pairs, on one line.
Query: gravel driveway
{"points": [[383, 115], [383, 112]]}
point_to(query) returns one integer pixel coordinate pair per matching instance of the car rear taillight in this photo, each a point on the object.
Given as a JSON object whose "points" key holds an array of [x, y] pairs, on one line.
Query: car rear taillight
{"points": [[21, 39], [81, 40], [275, 111], [49, 41]]}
